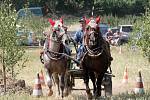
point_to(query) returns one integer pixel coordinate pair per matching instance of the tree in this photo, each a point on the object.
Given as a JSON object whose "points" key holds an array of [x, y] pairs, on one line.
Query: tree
{"points": [[10, 52], [141, 35]]}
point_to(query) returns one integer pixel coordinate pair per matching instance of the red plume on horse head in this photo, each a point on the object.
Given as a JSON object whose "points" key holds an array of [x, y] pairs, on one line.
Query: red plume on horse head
{"points": [[56, 23], [51, 21], [98, 20], [61, 20], [86, 20]]}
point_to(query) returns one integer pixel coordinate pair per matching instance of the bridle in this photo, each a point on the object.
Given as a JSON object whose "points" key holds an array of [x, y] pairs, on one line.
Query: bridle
{"points": [[95, 52]]}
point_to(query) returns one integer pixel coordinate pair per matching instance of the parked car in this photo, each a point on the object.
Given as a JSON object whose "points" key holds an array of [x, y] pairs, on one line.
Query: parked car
{"points": [[114, 29], [125, 30], [103, 29], [121, 34], [35, 11], [27, 36]]}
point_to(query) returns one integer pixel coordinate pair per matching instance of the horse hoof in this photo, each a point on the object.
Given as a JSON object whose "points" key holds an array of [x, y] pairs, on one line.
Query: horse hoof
{"points": [[89, 96], [66, 94], [50, 93]]}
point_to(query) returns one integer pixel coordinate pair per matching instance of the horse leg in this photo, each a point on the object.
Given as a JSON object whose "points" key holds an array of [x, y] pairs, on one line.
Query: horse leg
{"points": [[49, 82], [93, 79], [62, 83], [67, 84], [98, 83], [56, 80], [86, 81]]}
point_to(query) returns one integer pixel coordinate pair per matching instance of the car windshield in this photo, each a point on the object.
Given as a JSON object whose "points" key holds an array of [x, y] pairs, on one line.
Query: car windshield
{"points": [[30, 11], [103, 28], [126, 28], [37, 12]]}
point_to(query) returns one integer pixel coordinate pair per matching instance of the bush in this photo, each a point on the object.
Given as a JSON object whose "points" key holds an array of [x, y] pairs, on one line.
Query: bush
{"points": [[141, 35]]}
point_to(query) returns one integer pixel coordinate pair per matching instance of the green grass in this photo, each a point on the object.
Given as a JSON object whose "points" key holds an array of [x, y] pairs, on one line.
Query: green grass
{"points": [[134, 62], [28, 97]]}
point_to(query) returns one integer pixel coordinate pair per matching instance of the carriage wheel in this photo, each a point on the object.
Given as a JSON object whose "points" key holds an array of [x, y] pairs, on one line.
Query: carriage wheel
{"points": [[108, 85]]}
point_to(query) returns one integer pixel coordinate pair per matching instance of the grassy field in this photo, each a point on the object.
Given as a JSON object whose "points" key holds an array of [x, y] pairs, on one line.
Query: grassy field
{"points": [[133, 60]]}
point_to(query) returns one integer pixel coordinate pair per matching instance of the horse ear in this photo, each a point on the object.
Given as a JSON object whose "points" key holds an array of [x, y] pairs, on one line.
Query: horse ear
{"points": [[98, 19], [51, 21], [87, 21], [61, 20]]}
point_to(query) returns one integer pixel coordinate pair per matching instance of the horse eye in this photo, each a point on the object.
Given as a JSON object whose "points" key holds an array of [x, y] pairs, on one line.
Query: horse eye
{"points": [[93, 29], [87, 28]]}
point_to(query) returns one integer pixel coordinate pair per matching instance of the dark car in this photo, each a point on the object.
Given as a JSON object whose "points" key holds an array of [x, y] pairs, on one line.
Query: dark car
{"points": [[35, 11], [103, 28]]}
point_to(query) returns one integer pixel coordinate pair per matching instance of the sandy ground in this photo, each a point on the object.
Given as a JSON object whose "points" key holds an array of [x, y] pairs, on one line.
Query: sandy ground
{"points": [[80, 94]]}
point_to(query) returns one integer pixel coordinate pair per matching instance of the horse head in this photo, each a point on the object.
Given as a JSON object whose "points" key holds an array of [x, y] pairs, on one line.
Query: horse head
{"points": [[56, 38], [58, 29], [92, 34]]}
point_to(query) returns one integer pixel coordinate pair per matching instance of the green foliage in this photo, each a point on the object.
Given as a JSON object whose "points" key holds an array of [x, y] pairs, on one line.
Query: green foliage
{"points": [[76, 7], [132, 96], [10, 53], [115, 21], [141, 35], [34, 24]]}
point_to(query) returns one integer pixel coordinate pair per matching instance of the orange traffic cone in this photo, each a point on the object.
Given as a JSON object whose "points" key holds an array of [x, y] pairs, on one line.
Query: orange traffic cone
{"points": [[42, 78], [37, 90], [139, 85], [125, 77]]}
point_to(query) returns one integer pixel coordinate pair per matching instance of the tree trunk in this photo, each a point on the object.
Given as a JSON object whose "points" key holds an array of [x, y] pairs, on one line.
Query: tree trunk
{"points": [[12, 72], [4, 72]]}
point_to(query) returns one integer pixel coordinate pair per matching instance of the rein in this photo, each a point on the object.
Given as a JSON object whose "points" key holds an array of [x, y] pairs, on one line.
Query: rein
{"points": [[55, 53], [63, 54]]}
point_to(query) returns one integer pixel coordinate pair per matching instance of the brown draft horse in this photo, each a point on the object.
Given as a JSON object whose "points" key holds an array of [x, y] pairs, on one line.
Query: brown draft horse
{"points": [[55, 64], [95, 61]]}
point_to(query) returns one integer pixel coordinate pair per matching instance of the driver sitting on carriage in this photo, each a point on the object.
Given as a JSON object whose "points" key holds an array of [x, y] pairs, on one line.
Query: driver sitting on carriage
{"points": [[79, 37]]}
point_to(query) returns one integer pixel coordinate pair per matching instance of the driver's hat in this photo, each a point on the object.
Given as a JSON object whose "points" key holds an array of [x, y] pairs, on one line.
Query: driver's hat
{"points": [[81, 20]]}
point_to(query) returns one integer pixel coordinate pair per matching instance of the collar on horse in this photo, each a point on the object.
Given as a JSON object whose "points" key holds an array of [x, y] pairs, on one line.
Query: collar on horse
{"points": [[95, 52], [54, 55]]}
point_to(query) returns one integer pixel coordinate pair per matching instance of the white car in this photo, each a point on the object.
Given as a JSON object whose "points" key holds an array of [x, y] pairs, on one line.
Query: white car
{"points": [[125, 31], [125, 28]]}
